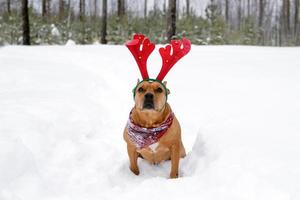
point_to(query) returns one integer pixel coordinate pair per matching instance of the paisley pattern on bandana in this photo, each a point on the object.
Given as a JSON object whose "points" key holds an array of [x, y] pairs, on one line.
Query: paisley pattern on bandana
{"points": [[143, 137]]}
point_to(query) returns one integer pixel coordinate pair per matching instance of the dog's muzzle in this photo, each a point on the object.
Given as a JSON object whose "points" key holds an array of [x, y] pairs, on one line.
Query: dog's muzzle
{"points": [[148, 102]]}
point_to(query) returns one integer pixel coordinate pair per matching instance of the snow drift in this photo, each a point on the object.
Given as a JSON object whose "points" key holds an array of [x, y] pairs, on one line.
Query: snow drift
{"points": [[63, 110]]}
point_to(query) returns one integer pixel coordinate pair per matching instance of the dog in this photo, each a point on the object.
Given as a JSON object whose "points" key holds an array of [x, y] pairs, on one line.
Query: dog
{"points": [[151, 109], [153, 132]]}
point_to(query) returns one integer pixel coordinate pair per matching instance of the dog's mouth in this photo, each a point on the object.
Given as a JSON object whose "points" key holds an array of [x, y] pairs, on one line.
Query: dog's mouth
{"points": [[148, 104]]}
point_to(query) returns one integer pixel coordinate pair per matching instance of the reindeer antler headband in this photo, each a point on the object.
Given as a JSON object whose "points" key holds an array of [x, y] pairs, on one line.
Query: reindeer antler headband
{"points": [[141, 48]]}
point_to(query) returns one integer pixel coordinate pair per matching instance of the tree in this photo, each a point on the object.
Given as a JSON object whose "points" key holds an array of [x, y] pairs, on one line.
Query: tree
{"points": [[177, 9], [286, 17], [216, 22], [8, 6], [104, 22], [44, 7], [48, 7], [121, 8], [81, 10], [248, 8], [25, 23], [69, 8], [239, 14], [145, 8], [95, 9], [296, 17], [171, 19], [61, 9], [155, 7], [260, 21], [188, 8], [165, 6], [227, 10], [261, 13]]}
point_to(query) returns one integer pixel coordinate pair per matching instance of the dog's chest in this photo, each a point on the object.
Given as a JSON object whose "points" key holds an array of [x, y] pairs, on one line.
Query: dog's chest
{"points": [[154, 146], [155, 153]]}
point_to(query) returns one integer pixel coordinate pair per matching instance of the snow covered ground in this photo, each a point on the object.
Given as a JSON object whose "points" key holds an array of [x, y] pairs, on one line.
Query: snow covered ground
{"points": [[63, 110]]}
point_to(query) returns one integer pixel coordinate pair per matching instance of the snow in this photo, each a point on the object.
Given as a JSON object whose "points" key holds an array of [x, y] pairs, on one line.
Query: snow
{"points": [[54, 31], [63, 110], [70, 43]]}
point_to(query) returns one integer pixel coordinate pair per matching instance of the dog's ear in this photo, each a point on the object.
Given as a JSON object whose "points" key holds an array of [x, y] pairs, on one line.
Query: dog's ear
{"points": [[165, 83]]}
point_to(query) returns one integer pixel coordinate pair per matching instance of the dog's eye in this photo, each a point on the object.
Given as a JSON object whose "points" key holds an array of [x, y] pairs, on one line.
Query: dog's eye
{"points": [[159, 90], [141, 90]]}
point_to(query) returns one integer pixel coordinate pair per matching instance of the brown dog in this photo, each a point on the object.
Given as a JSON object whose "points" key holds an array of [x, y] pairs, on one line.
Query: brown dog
{"points": [[151, 110]]}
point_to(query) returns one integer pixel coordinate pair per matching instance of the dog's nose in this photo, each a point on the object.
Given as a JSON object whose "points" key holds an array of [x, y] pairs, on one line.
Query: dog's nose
{"points": [[149, 96]]}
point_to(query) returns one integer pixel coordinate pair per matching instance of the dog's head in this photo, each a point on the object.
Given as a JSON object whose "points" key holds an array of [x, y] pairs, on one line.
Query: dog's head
{"points": [[150, 95]]}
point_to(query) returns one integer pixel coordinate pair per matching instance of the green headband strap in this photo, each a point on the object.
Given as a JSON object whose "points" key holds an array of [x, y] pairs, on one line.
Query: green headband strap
{"points": [[151, 80]]}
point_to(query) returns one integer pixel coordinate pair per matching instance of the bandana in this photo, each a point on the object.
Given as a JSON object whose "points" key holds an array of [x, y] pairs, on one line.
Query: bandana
{"points": [[143, 137]]}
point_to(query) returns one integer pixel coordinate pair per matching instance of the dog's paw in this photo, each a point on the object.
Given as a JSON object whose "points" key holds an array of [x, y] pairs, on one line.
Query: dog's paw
{"points": [[174, 175], [136, 171]]}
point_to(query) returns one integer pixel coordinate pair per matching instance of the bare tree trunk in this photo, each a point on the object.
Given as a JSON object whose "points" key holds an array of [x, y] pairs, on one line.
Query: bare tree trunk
{"points": [[69, 14], [25, 23], [48, 8], [104, 22], [121, 8], [145, 8], [155, 7], [81, 10], [239, 13], [261, 13], [177, 9], [8, 6], [286, 17], [296, 17], [61, 9], [280, 30], [171, 20], [44, 7], [276, 25], [248, 8], [165, 6], [188, 8], [95, 9], [227, 10]]}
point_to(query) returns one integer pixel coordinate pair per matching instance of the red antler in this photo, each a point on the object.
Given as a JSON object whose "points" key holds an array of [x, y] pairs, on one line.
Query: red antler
{"points": [[141, 54], [179, 49]]}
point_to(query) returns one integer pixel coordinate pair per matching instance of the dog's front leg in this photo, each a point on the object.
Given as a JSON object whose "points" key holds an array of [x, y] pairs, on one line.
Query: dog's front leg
{"points": [[175, 156], [133, 156]]}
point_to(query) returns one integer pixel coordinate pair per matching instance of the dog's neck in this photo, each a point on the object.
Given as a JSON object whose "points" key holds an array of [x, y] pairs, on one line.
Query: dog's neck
{"points": [[150, 118]]}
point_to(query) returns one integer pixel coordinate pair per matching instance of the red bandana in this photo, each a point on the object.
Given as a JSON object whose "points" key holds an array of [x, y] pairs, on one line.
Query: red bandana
{"points": [[143, 137]]}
